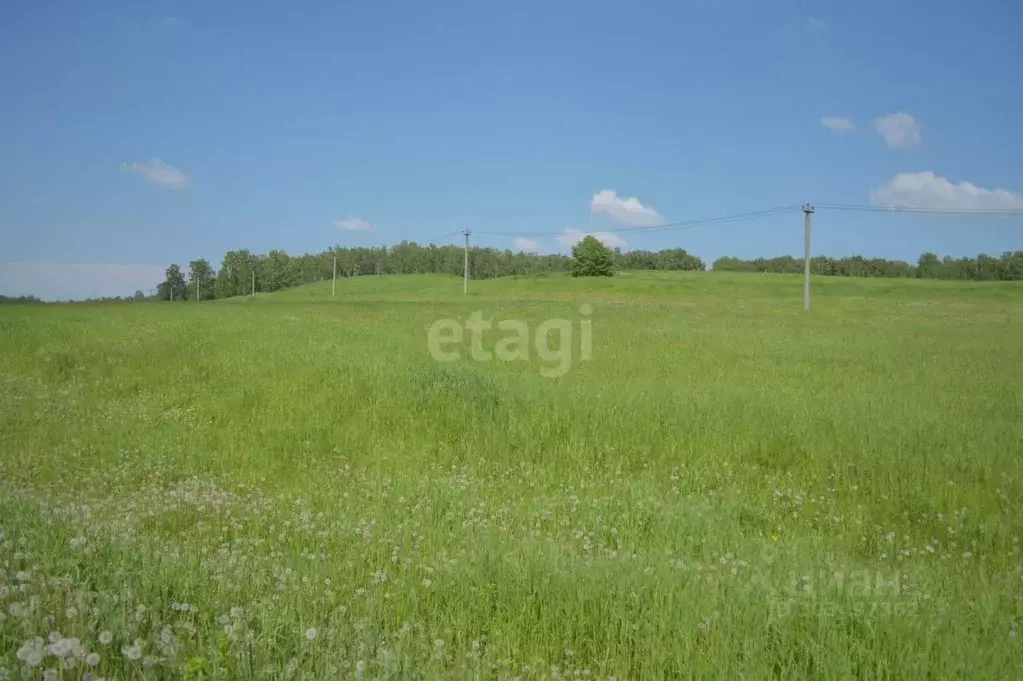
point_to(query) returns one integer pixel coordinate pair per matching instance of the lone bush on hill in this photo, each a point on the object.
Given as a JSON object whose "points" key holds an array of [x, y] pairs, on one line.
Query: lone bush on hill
{"points": [[591, 258]]}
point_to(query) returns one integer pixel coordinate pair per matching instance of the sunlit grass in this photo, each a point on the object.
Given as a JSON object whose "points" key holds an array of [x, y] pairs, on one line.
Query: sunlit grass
{"points": [[292, 487]]}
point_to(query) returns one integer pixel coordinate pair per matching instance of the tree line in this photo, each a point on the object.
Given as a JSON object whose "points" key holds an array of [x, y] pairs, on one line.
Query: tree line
{"points": [[242, 272], [19, 300], [1007, 267]]}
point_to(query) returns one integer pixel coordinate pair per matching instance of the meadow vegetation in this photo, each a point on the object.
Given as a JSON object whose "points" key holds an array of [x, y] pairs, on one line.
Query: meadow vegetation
{"points": [[290, 486]]}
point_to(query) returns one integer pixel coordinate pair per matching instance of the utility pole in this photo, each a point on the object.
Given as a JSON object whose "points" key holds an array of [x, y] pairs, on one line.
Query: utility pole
{"points": [[333, 283], [465, 279], [807, 212]]}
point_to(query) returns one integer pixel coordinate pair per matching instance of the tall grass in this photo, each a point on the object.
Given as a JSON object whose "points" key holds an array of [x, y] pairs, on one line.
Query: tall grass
{"points": [[292, 487]]}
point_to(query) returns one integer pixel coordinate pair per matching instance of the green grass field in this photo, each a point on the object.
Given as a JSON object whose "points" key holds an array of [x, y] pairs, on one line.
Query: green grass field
{"points": [[291, 486]]}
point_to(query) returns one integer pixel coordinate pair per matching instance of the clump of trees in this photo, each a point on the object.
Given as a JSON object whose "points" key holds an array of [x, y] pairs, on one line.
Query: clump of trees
{"points": [[591, 258]]}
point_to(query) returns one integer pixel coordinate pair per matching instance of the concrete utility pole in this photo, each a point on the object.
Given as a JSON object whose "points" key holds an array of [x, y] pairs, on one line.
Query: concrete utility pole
{"points": [[333, 283], [465, 279], [807, 212]]}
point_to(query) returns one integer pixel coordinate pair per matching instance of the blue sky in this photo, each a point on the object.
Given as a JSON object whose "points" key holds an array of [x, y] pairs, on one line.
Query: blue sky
{"points": [[275, 127]]}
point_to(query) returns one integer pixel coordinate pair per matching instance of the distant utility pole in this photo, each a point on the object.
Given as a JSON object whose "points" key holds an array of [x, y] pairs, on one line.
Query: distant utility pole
{"points": [[465, 279], [333, 283], [807, 212]]}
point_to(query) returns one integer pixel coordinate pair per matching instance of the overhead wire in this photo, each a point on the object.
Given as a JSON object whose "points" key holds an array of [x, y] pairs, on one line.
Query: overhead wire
{"points": [[684, 224], [751, 215], [442, 236], [922, 210]]}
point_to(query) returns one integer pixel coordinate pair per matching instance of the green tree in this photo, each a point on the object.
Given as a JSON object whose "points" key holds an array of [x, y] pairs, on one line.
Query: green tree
{"points": [[591, 258], [202, 277], [173, 286]]}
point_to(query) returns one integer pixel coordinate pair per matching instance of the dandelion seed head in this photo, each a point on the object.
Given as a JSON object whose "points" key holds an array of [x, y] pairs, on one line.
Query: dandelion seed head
{"points": [[134, 651], [311, 634], [32, 652]]}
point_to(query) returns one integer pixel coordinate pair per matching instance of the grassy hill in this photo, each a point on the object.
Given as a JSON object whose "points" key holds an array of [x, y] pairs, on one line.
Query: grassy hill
{"points": [[718, 484]]}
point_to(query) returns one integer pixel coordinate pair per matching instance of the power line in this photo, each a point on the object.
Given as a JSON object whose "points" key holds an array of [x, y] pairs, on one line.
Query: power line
{"points": [[443, 236], [671, 225], [924, 210]]}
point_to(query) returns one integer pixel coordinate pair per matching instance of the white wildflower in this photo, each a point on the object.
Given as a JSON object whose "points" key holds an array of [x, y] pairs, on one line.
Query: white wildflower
{"points": [[133, 652], [63, 647], [32, 652], [92, 659], [311, 634], [106, 637]]}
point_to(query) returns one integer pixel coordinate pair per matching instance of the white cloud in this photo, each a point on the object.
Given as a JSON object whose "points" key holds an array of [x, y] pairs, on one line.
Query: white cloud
{"points": [[353, 225], [838, 124], [77, 281], [927, 190], [624, 211], [159, 173], [526, 245], [570, 237], [813, 24], [899, 130]]}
